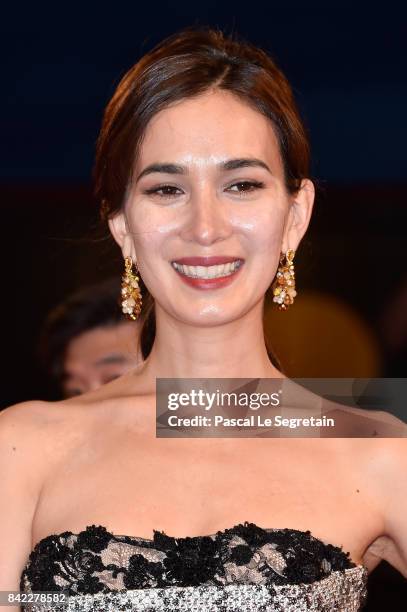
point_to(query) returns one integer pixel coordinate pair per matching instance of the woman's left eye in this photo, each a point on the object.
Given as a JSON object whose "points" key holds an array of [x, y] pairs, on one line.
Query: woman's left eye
{"points": [[246, 186]]}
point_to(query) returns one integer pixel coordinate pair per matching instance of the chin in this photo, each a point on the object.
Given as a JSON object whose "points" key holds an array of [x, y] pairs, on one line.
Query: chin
{"points": [[208, 316]]}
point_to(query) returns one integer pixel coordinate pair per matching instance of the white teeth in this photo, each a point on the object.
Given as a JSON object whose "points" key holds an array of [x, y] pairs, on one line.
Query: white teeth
{"points": [[208, 271]]}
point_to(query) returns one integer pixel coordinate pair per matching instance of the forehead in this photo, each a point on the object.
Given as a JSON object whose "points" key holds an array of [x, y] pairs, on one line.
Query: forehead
{"points": [[209, 128]]}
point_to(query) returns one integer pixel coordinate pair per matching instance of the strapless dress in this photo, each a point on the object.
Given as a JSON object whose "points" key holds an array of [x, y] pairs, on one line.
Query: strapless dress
{"points": [[242, 569]]}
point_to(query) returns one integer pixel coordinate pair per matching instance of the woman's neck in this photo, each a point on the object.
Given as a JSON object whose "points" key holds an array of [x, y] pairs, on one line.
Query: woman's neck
{"points": [[233, 350]]}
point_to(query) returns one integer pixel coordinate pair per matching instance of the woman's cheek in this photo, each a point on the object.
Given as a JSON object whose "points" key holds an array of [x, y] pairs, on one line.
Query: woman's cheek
{"points": [[146, 219], [151, 230], [263, 231]]}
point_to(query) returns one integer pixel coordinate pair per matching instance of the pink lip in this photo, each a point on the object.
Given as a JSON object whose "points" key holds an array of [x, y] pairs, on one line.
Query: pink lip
{"points": [[207, 261], [209, 283]]}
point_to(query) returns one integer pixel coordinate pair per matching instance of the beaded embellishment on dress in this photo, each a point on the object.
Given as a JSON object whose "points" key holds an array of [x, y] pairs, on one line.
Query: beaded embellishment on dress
{"points": [[245, 568]]}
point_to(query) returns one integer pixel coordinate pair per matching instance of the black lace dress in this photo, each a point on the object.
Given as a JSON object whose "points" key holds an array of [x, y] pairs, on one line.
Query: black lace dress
{"points": [[245, 568]]}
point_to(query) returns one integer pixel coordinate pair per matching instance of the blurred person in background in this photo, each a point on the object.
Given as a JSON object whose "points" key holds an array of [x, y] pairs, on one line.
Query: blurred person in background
{"points": [[86, 341]]}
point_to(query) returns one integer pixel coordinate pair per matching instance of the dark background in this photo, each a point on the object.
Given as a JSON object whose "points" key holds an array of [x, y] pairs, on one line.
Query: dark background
{"points": [[60, 66]]}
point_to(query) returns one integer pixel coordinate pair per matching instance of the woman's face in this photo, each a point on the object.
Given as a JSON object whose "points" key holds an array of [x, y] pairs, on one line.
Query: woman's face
{"points": [[209, 183]]}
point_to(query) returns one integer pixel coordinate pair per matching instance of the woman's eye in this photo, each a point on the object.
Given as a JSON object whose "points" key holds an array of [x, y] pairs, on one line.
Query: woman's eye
{"points": [[111, 377], [246, 186], [169, 191], [164, 191]]}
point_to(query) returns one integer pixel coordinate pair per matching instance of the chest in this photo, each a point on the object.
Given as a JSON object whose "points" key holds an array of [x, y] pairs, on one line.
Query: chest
{"points": [[198, 486]]}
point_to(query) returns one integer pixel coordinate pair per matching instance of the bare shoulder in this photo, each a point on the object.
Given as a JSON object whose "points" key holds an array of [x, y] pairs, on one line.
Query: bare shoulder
{"points": [[37, 434], [22, 470], [378, 466], [388, 425], [389, 460], [365, 423], [382, 458], [36, 438], [25, 443], [32, 422], [22, 414], [379, 463], [22, 423], [43, 432]]}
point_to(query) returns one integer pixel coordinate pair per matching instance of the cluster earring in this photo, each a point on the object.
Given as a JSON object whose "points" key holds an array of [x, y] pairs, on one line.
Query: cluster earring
{"points": [[131, 294], [284, 285]]}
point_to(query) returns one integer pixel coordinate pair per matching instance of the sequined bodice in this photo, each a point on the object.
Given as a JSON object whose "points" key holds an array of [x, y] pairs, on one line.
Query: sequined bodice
{"points": [[245, 568]]}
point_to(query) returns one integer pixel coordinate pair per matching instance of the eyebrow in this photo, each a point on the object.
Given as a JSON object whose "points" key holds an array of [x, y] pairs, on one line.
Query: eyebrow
{"points": [[230, 164], [109, 359]]}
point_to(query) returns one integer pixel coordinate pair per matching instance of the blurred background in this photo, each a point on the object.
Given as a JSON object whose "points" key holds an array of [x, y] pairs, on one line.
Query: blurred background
{"points": [[347, 66]]}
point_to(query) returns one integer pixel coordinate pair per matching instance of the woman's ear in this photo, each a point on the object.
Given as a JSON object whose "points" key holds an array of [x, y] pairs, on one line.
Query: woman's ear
{"points": [[119, 230], [299, 216]]}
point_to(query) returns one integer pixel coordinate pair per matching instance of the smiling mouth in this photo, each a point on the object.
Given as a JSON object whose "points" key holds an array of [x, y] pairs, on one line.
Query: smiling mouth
{"points": [[208, 272]]}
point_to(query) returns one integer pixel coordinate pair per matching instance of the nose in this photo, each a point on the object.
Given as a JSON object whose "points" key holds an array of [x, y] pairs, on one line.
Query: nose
{"points": [[207, 220]]}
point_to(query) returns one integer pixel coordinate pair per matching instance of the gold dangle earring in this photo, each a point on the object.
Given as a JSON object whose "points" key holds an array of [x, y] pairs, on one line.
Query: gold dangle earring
{"points": [[284, 285], [131, 294]]}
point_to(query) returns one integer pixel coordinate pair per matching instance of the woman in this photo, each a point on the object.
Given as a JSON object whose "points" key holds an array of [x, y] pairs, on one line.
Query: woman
{"points": [[201, 156]]}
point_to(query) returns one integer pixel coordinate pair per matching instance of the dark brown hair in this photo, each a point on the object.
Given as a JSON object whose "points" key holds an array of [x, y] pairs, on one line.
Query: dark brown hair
{"points": [[185, 65]]}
